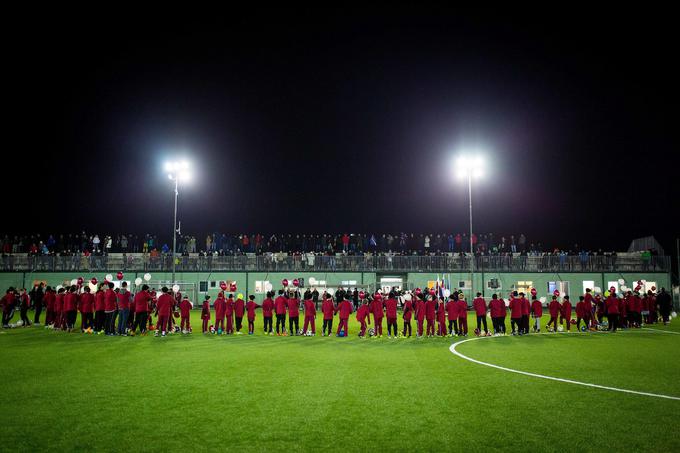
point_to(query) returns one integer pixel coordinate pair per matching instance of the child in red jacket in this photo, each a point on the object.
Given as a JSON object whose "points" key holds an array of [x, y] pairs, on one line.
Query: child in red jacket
{"points": [[185, 310], [205, 313]]}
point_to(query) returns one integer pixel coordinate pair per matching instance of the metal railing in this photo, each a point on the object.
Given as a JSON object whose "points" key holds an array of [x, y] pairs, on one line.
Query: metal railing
{"points": [[336, 263]]}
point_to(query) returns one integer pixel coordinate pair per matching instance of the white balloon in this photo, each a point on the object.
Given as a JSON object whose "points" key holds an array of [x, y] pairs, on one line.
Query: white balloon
{"points": [[597, 290], [175, 288], [59, 287], [138, 281], [74, 281], [147, 277], [621, 281], [447, 292], [542, 299], [109, 277], [407, 297]]}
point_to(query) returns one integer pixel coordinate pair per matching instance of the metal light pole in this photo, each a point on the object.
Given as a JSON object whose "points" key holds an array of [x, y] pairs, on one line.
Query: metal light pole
{"points": [[174, 231], [469, 167], [472, 252], [176, 170]]}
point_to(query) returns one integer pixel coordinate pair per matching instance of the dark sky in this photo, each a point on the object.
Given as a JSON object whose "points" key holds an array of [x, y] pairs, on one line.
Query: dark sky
{"points": [[346, 120]]}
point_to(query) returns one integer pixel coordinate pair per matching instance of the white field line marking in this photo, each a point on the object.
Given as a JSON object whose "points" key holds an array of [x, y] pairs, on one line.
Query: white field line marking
{"points": [[568, 381], [662, 331]]}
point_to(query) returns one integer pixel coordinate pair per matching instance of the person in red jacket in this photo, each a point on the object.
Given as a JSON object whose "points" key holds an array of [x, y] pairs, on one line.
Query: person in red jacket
{"points": [[293, 304], [86, 306], [142, 299], [99, 312], [497, 307], [452, 312], [345, 309], [588, 304], [164, 308], [623, 310], [391, 315], [267, 312], [420, 314], [407, 315], [328, 311], [526, 311], [220, 309], [185, 312], [566, 312], [280, 306], [536, 313], [124, 297], [7, 302], [377, 310], [580, 312], [554, 309], [516, 314], [363, 315], [24, 305], [462, 315], [49, 298], [651, 306], [635, 309], [441, 318], [479, 304], [110, 299], [229, 314], [70, 308], [58, 309], [251, 306], [612, 311], [310, 316], [239, 309], [430, 313], [205, 313]]}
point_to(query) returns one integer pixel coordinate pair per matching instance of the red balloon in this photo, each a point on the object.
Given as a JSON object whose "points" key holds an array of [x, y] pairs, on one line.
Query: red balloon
{"points": [[556, 293], [418, 292], [653, 288], [232, 287], [362, 295], [93, 280], [296, 282], [119, 275], [80, 281], [284, 282], [223, 286], [432, 292], [533, 291], [639, 282], [637, 288]]}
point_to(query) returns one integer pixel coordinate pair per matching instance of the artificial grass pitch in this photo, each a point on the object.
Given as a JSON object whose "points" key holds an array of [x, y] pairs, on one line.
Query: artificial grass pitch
{"points": [[67, 392]]}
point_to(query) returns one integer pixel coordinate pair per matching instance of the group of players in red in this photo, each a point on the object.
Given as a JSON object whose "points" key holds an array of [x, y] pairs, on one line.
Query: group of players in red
{"points": [[433, 315]]}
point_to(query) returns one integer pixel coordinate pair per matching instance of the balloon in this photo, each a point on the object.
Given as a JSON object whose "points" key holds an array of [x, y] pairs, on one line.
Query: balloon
{"points": [[223, 285], [407, 297], [232, 287], [621, 281], [175, 288], [108, 277], [640, 282], [312, 281], [93, 280], [542, 299], [533, 291], [432, 292], [447, 292], [284, 282], [556, 293], [119, 275], [653, 288], [296, 282], [59, 287], [240, 296], [606, 294], [80, 281], [74, 282], [418, 292], [362, 295], [637, 288], [138, 281], [597, 290], [147, 277]]}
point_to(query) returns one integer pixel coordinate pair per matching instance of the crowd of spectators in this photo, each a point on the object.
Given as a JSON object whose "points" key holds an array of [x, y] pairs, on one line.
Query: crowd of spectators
{"points": [[220, 244]]}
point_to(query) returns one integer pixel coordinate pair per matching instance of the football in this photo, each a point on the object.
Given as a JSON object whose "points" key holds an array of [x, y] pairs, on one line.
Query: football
{"points": [[371, 332], [560, 329], [309, 333]]}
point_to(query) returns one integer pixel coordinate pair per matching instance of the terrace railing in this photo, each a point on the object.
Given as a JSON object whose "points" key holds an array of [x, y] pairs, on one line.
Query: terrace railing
{"points": [[336, 263]]}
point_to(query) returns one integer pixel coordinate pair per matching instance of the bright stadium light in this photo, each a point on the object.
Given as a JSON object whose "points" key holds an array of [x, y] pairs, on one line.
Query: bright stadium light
{"points": [[176, 171]]}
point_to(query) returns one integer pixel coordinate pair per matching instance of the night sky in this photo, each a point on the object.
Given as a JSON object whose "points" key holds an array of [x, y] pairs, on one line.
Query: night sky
{"points": [[345, 120]]}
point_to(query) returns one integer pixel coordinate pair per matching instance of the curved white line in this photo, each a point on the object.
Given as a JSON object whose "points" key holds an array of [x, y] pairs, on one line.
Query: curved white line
{"points": [[452, 348], [662, 331]]}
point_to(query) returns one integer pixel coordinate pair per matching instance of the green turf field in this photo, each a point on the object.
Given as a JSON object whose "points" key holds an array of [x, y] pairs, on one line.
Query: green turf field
{"points": [[67, 392]]}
